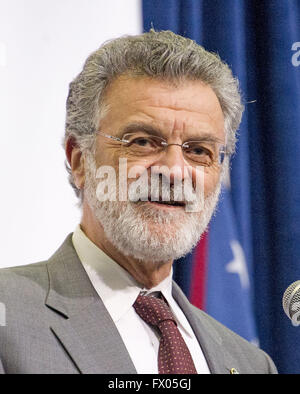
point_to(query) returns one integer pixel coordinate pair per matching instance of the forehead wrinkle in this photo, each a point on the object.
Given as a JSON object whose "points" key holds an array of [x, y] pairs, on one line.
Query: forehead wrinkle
{"points": [[183, 110], [201, 121], [162, 106], [179, 102]]}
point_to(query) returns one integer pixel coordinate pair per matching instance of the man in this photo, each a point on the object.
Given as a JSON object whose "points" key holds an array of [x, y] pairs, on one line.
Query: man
{"points": [[153, 113]]}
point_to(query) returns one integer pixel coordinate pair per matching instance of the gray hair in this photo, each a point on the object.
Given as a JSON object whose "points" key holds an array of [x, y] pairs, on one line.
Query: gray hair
{"points": [[157, 54]]}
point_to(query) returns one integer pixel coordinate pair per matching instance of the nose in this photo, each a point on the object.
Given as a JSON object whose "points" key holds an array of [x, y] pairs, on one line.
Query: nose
{"points": [[172, 163]]}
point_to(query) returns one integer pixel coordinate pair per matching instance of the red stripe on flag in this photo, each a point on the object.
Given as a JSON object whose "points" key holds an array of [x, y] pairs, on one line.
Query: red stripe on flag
{"points": [[198, 285]]}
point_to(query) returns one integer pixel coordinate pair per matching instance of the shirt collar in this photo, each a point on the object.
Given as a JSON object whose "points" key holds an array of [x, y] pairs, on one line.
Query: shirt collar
{"points": [[115, 286]]}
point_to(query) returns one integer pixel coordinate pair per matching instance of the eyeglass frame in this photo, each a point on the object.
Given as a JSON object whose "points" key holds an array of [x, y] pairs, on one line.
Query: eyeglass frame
{"points": [[166, 144]]}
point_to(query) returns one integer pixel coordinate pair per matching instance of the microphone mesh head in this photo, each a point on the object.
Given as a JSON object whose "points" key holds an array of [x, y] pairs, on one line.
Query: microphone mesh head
{"points": [[291, 299]]}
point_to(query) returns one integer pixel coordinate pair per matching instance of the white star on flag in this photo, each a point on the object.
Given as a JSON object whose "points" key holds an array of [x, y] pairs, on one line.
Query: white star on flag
{"points": [[238, 265]]}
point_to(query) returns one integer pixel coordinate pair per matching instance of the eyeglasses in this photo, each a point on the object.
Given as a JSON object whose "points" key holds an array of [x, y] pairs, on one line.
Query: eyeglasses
{"points": [[142, 145]]}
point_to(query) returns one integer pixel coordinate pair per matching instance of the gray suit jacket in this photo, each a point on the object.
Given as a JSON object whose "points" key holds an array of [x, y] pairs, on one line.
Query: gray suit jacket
{"points": [[55, 322]]}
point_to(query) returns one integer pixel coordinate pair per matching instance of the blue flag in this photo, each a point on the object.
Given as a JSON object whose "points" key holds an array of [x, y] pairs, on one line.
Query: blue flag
{"points": [[228, 284]]}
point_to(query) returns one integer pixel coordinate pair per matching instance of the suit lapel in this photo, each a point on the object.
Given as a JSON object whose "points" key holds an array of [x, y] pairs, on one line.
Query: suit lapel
{"points": [[219, 361], [85, 330]]}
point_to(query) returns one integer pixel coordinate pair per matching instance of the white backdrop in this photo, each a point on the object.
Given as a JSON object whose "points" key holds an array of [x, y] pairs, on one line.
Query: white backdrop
{"points": [[43, 44]]}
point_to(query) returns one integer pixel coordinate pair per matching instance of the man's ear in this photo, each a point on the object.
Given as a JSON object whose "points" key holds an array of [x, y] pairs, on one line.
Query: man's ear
{"points": [[76, 161]]}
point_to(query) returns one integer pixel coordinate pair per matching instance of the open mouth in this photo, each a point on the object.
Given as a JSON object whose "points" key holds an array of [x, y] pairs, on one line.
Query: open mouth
{"points": [[161, 202], [170, 203]]}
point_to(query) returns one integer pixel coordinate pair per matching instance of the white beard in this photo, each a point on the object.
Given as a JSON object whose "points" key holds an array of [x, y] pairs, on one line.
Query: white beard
{"points": [[144, 231]]}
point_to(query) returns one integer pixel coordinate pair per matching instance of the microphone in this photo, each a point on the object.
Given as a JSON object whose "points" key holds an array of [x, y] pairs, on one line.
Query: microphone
{"points": [[291, 302]]}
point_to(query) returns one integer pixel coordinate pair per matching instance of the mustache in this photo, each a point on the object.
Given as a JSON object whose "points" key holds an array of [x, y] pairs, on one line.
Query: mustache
{"points": [[162, 189]]}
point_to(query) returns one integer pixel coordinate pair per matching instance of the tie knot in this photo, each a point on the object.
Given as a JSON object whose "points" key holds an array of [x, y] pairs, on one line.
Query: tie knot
{"points": [[153, 310]]}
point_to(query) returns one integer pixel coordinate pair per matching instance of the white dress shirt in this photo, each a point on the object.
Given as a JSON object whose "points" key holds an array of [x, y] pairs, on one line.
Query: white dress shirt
{"points": [[118, 291]]}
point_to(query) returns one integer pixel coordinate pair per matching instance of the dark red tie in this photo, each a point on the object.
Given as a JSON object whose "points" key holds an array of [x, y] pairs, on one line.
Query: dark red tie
{"points": [[173, 354]]}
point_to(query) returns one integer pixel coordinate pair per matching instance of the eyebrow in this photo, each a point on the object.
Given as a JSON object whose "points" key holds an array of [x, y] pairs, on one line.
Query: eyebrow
{"points": [[137, 126], [153, 130]]}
